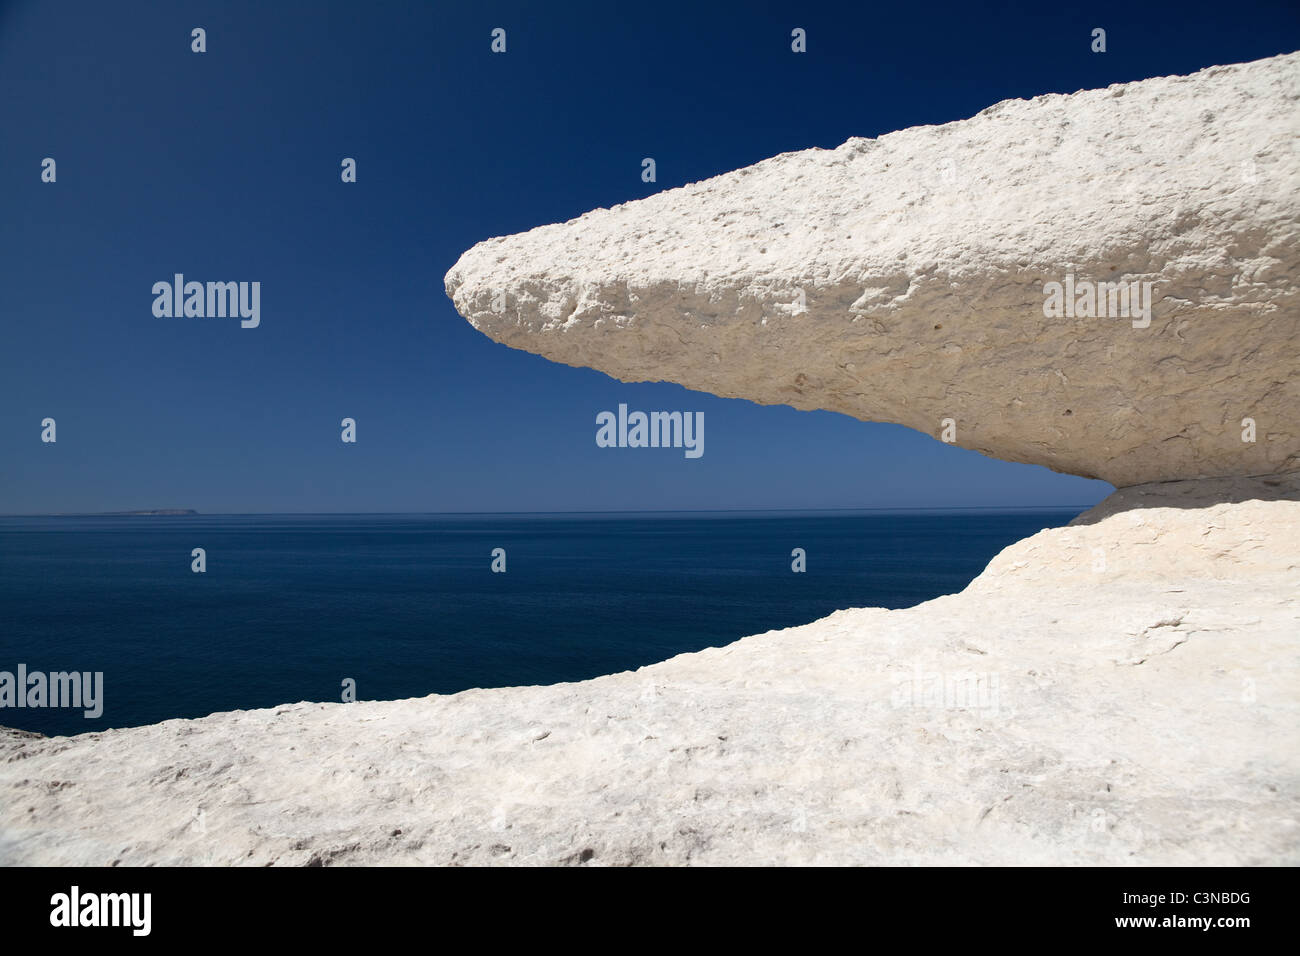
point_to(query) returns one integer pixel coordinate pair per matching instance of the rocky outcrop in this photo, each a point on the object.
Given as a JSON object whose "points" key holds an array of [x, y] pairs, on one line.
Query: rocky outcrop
{"points": [[1122, 690], [906, 279]]}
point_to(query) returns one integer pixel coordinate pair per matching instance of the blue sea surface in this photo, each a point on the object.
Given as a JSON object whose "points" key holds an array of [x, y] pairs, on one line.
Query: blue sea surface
{"points": [[406, 605]]}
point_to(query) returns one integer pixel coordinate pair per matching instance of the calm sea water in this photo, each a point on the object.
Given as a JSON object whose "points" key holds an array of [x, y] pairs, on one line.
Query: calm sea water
{"points": [[406, 604]]}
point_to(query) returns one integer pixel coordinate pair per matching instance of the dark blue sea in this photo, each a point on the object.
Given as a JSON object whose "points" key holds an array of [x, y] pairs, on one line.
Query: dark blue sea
{"points": [[406, 605]]}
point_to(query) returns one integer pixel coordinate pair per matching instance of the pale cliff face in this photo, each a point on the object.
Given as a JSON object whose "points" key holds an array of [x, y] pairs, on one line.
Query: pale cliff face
{"points": [[906, 279]]}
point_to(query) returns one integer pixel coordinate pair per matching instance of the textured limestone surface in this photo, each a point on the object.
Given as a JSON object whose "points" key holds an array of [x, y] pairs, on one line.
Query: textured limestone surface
{"points": [[902, 279], [1122, 690]]}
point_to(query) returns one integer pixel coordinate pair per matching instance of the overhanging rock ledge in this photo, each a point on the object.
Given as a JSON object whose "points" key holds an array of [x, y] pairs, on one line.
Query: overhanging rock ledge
{"points": [[902, 279]]}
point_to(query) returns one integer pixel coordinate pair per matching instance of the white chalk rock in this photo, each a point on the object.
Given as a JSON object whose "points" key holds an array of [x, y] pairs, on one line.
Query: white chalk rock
{"points": [[1139, 709], [906, 279]]}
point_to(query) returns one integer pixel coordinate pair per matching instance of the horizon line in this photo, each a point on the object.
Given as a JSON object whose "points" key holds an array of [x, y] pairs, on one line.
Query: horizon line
{"points": [[146, 513]]}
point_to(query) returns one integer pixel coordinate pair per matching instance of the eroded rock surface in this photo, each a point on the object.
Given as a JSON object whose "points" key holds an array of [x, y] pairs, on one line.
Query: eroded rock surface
{"points": [[1122, 690], [902, 279]]}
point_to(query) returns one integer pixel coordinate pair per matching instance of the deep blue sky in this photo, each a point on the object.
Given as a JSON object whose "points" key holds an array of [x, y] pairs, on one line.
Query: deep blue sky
{"points": [[225, 166]]}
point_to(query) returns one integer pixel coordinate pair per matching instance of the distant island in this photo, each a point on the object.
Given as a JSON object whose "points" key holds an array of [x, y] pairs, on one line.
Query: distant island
{"points": [[116, 514]]}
